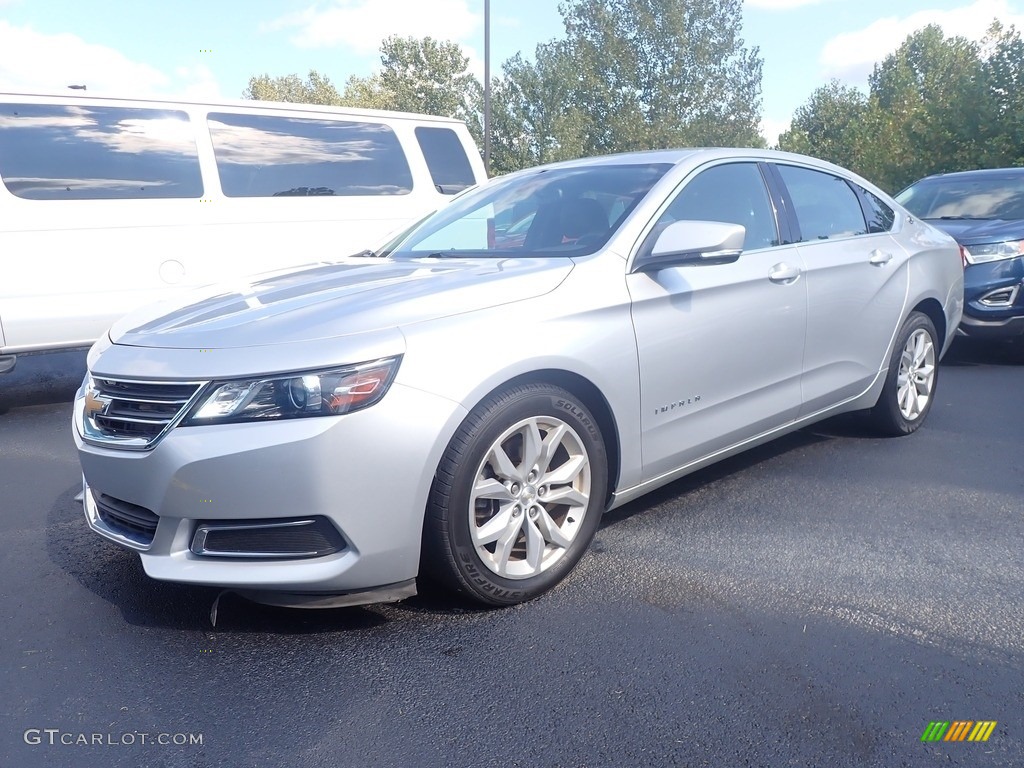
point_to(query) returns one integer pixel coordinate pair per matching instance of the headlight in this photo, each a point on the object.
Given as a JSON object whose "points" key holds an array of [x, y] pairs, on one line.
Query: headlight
{"points": [[979, 254], [295, 396]]}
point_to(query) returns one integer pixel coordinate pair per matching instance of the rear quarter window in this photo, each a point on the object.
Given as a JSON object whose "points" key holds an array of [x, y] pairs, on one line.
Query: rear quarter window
{"points": [[76, 152], [446, 158], [271, 156]]}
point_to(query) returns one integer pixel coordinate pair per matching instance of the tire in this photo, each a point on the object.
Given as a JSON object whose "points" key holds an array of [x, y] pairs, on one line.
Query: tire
{"points": [[909, 389], [517, 496]]}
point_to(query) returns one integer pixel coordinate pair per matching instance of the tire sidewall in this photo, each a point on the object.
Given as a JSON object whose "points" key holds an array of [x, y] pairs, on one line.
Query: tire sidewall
{"points": [[496, 419], [890, 394]]}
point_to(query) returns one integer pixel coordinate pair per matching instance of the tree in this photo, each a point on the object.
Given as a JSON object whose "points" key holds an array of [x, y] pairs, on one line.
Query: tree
{"points": [[936, 89], [427, 76], [630, 75], [1004, 75], [826, 124], [936, 104], [534, 118], [317, 89]]}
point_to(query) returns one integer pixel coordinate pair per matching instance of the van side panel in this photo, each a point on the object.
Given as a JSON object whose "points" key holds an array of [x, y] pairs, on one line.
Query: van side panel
{"points": [[73, 265]]}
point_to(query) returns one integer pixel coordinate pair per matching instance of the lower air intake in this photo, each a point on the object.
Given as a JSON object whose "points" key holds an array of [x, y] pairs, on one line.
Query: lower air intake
{"points": [[279, 539]]}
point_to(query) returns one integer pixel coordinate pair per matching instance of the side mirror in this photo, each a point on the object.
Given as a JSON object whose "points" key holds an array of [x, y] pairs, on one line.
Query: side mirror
{"points": [[693, 242]]}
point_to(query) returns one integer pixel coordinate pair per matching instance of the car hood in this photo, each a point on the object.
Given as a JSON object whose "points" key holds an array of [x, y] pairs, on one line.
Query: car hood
{"points": [[356, 295], [975, 231]]}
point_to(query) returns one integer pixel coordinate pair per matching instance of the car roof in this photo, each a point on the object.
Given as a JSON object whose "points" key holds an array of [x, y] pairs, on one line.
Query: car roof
{"points": [[680, 155], [979, 174]]}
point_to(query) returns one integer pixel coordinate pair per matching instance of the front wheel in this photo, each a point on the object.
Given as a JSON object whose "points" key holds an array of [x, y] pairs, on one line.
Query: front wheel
{"points": [[518, 495], [909, 388]]}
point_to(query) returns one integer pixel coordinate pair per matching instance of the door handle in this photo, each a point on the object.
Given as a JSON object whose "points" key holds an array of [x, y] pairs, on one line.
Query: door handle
{"points": [[784, 274], [879, 259]]}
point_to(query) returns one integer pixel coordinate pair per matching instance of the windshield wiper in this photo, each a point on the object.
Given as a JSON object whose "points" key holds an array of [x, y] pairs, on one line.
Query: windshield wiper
{"points": [[963, 218]]}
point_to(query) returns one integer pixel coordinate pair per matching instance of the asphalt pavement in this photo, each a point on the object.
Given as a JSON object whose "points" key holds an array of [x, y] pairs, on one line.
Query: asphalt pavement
{"points": [[816, 602]]}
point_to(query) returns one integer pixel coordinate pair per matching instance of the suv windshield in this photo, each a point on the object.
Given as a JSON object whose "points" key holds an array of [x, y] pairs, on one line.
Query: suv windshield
{"points": [[554, 212], [998, 197]]}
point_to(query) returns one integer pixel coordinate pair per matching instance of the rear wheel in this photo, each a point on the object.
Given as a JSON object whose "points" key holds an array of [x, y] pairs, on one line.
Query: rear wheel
{"points": [[518, 495], [909, 388]]}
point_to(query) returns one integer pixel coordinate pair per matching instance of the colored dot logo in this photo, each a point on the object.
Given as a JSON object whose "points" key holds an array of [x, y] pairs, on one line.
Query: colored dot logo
{"points": [[206, 50]]}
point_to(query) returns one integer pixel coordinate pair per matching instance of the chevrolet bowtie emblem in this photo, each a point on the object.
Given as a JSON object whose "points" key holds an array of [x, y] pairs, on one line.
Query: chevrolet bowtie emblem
{"points": [[95, 403]]}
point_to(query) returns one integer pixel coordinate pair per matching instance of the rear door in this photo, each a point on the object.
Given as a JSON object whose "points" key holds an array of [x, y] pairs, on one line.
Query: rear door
{"points": [[857, 279]]}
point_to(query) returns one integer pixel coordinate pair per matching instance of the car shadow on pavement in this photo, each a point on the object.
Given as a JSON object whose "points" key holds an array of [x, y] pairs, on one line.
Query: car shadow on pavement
{"points": [[723, 469], [967, 352], [116, 576]]}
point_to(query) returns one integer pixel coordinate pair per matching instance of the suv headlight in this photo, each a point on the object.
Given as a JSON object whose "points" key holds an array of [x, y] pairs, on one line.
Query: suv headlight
{"points": [[979, 254], [298, 395]]}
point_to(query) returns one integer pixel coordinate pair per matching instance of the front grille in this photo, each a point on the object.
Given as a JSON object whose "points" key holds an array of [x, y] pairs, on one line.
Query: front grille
{"points": [[126, 517], [132, 414]]}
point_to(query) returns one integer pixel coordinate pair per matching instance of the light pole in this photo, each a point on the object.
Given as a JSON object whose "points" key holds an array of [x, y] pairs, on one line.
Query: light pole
{"points": [[487, 86]]}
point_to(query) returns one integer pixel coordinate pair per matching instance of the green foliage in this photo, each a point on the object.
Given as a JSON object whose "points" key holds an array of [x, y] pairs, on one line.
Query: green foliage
{"points": [[629, 75], [316, 89], [936, 104], [824, 126]]}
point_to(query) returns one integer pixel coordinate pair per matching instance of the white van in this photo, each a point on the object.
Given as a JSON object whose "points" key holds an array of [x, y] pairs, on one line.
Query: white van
{"points": [[109, 204]]}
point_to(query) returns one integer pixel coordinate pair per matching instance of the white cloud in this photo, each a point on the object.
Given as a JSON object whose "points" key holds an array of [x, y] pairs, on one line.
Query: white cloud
{"points": [[361, 25], [852, 55], [33, 61], [771, 129], [781, 5]]}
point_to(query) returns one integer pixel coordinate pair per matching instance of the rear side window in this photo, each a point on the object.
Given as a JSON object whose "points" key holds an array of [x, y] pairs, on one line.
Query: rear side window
{"points": [[826, 206], [446, 158], [269, 156], [56, 152]]}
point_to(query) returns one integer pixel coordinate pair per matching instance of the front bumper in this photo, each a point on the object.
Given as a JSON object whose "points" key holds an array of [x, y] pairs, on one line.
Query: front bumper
{"points": [[984, 319], [368, 473]]}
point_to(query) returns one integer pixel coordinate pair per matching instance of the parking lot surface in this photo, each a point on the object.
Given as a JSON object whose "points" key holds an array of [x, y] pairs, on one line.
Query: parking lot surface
{"points": [[815, 602]]}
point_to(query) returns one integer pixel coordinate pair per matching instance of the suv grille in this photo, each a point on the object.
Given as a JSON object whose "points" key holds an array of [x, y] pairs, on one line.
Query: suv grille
{"points": [[132, 414]]}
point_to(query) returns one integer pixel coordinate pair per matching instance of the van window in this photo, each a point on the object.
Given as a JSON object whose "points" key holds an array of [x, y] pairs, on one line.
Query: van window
{"points": [[52, 152], [446, 158], [270, 156]]}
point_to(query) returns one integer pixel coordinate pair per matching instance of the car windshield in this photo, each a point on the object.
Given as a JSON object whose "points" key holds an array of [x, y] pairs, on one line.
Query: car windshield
{"points": [[549, 212], [999, 197]]}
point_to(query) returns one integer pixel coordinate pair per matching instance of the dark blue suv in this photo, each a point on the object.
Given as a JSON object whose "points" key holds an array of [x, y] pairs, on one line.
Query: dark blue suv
{"points": [[984, 211]]}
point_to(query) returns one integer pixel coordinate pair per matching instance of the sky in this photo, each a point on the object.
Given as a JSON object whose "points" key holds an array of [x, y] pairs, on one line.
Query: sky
{"points": [[208, 49]]}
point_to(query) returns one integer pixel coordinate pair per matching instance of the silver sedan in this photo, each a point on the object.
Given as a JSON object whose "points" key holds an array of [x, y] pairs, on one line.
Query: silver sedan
{"points": [[470, 399]]}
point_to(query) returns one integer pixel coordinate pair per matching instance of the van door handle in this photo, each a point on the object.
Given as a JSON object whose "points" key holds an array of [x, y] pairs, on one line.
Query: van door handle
{"points": [[879, 259], [784, 274]]}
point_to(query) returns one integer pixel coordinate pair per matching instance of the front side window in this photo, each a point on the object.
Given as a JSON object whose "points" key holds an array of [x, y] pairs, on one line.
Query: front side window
{"points": [[826, 206], [554, 212], [61, 152], [273, 156], [733, 194]]}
